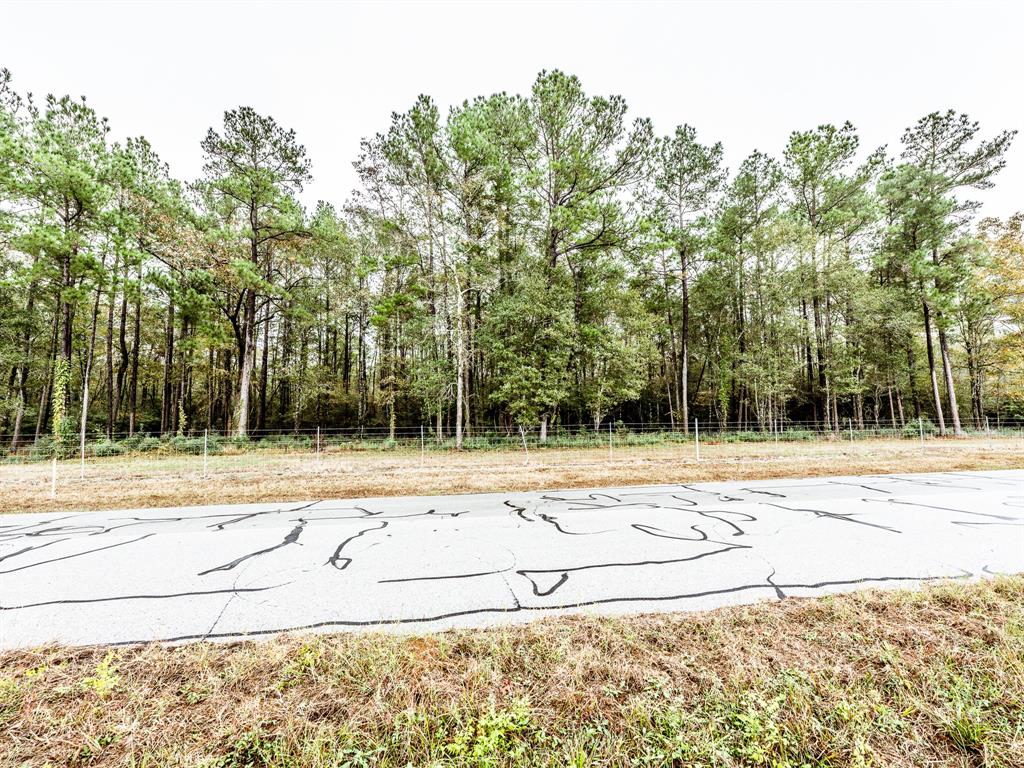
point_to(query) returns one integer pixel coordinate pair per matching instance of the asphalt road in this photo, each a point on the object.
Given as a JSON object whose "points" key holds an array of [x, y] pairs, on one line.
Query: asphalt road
{"points": [[428, 563]]}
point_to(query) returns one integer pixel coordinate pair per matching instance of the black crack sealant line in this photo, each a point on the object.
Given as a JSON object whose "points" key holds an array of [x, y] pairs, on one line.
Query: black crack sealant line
{"points": [[996, 480], [12, 531], [26, 550], [713, 514], [383, 515], [932, 483], [661, 533], [845, 517], [590, 497], [291, 538], [77, 554], [518, 608], [722, 497], [778, 590], [765, 493], [860, 485], [447, 577], [552, 520], [518, 511], [563, 573], [943, 509], [160, 596], [60, 530], [685, 500], [341, 563]]}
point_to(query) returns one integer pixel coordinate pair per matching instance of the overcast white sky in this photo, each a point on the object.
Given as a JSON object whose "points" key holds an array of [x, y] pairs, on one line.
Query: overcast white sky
{"points": [[744, 73]]}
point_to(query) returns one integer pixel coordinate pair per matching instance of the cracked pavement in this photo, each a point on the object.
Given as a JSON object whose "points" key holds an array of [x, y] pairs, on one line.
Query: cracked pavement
{"points": [[430, 563]]}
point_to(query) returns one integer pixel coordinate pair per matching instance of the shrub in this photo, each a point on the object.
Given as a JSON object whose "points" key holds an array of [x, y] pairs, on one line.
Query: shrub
{"points": [[914, 428], [108, 448]]}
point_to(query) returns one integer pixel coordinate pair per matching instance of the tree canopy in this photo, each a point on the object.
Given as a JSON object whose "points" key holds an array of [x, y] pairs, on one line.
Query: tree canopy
{"points": [[519, 261]]}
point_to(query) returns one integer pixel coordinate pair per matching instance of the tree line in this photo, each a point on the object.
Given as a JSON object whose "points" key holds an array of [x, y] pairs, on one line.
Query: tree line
{"points": [[524, 261]]}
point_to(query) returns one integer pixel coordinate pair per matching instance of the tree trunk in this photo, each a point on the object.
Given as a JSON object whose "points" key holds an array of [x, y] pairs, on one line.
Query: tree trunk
{"points": [[165, 399], [460, 357], [931, 366], [111, 404], [947, 370], [133, 383], [247, 353], [261, 421], [26, 352], [684, 334], [88, 371], [43, 413]]}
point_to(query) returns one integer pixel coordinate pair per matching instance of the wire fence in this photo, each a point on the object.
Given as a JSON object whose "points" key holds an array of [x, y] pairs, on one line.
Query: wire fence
{"points": [[207, 456], [425, 438]]}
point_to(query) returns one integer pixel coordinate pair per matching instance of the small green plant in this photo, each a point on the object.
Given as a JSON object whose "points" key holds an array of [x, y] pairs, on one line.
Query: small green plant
{"points": [[965, 719], [11, 697], [193, 692], [967, 732], [253, 749], [303, 664], [495, 736], [93, 747], [105, 679]]}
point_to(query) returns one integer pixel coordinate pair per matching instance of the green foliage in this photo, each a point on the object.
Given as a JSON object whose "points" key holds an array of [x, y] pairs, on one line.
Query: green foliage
{"points": [[63, 425], [11, 695], [253, 749], [519, 260], [105, 678], [495, 737]]}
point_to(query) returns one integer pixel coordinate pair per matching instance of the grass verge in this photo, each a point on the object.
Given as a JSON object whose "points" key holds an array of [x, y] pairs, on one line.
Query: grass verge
{"points": [[910, 678], [133, 482]]}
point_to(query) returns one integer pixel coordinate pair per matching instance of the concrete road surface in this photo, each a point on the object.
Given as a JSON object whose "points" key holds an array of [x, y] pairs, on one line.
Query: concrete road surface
{"points": [[427, 563]]}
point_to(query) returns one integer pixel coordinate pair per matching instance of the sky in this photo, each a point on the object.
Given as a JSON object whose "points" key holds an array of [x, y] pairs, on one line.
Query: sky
{"points": [[743, 73]]}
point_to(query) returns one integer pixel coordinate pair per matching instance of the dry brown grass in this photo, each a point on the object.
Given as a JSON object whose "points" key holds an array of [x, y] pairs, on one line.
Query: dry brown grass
{"points": [[925, 678], [147, 481]]}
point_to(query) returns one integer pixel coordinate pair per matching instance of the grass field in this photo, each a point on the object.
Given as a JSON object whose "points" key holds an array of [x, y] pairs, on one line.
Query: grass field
{"points": [[929, 678], [147, 480]]}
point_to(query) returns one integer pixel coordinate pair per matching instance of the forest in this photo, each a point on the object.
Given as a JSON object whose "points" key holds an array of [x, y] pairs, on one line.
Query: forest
{"points": [[538, 261]]}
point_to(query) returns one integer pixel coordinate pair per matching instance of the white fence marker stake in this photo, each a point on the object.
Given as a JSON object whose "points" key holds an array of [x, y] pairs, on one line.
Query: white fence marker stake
{"points": [[851, 429], [81, 466], [526, 451], [53, 478], [318, 444], [920, 426], [609, 441], [206, 439], [696, 438], [423, 445]]}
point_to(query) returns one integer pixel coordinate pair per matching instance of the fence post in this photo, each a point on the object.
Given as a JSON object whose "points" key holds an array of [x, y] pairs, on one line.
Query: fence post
{"points": [[920, 427], [526, 451], [609, 441], [423, 446], [81, 453], [53, 478], [206, 439], [317, 444], [850, 422], [696, 437]]}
